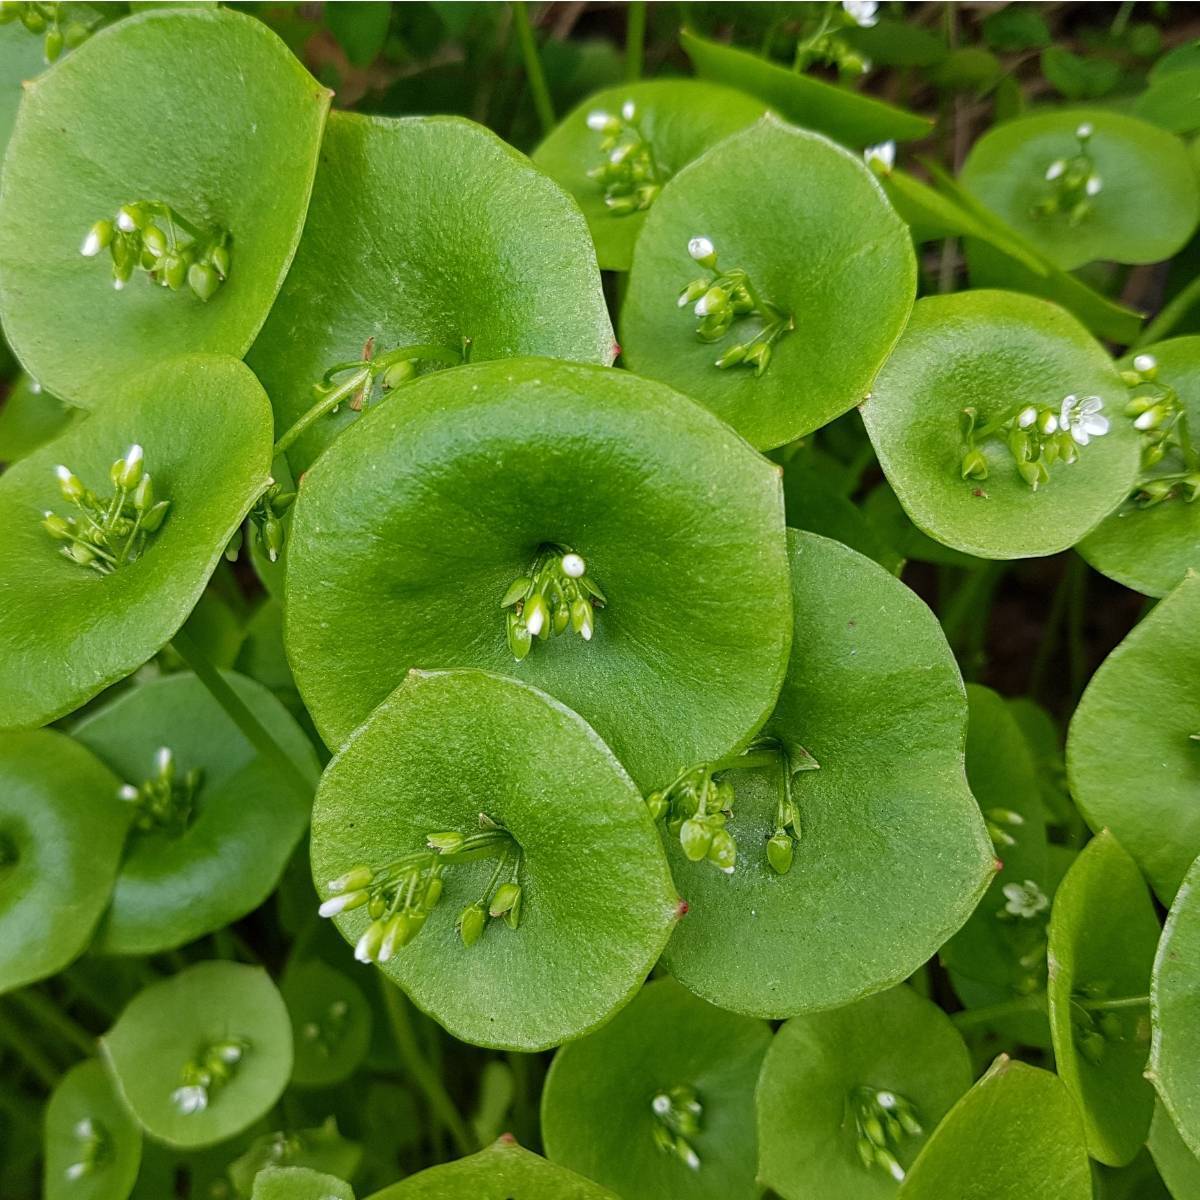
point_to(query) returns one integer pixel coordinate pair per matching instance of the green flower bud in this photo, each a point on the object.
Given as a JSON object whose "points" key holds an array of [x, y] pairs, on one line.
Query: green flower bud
{"points": [[84, 555], [445, 843], [516, 591], [154, 240], [376, 907], [174, 271], [130, 217], [512, 918], [722, 852], [203, 280], [656, 802], [10, 10], [1034, 473], [780, 851], [537, 615], [155, 517], [127, 471], [519, 637], [143, 494], [272, 537], [974, 465], [368, 946], [56, 527], [69, 484], [32, 19], [470, 924], [75, 34], [505, 897], [561, 617], [99, 237], [693, 292], [695, 838], [234, 546], [433, 893], [355, 878], [399, 373], [713, 303], [731, 357], [219, 258], [759, 357]]}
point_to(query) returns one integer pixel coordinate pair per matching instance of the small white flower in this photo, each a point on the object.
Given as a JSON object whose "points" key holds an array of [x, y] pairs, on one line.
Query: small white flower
{"points": [[162, 759], [125, 221], [1027, 416], [628, 111], [886, 1099], [897, 1171], [128, 793], [1084, 130], [598, 120], [1024, 899], [76, 1171], [1055, 169], [661, 1104], [862, 12], [338, 904], [884, 154], [35, 387], [91, 245], [134, 457], [1144, 363], [692, 1159], [535, 621], [85, 1127], [700, 248], [118, 285], [573, 566], [1147, 420], [1048, 424], [230, 1053], [621, 153], [1082, 418], [1094, 185], [364, 949], [701, 309], [63, 473], [190, 1099]]}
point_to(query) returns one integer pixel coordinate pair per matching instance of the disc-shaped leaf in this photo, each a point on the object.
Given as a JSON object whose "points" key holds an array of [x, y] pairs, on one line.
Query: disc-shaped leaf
{"points": [[678, 119], [891, 854], [997, 353], [815, 233], [183, 878], [428, 231], [1147, 206], [1175, 1011], [1151, 549], [331, 1023], [321, 1149], [66, 631], [448, 746], [456, 487], [852, 118], [1103, 934], [93, 1146], [1016, 1135], [202, 109], [178, 1026], [61, 833], [1133, 757], [299, 1183], [30, 417], [600, 1103], [504, 1171], [1178, 1166], [21, 59], [820, 1090]]}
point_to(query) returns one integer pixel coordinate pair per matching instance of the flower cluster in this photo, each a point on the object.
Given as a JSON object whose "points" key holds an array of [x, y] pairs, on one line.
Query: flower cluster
{"points": [[151, 236], [326, 1033], [163, 802], [47, 19], [1074, 182], [110, 532], [677, 1122], [266, 519], [1170, 462], [1022, 926], [728, 296], [557, 594], [822, 41], [1000, 822], [881, 158], [882, 1120], [204, 1076], [629, 176], [1094, 1027], [696, 806], [94, 1148], [1037, 436]]}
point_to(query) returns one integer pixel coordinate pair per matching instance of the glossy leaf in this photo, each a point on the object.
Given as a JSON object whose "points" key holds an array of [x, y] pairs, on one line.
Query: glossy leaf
{"points": [[427, 231], [203, 109], [92, 1145], [1178, 1166], [1016, 1135], [30, 417], [299, 1183], [820, 1065], [1148, 206], [1132, 758], [849, 117], [67, 632], [892, 854], [177, 884], [321, 1149], [448, 745], [457, 487], [21, 59], [812, 228], [679, 119], [171, 1023], [331, 1023], [1151, 549], [597, 1114], [61, 833], [1103, 934], [991, 351]]}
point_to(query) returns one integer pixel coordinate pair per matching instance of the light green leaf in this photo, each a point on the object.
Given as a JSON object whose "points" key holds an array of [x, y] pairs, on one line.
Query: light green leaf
{"points": [[321, 1149], [299, 1183], [30, 417], [331, 1022], [1178, 1166], [1172, 101]]}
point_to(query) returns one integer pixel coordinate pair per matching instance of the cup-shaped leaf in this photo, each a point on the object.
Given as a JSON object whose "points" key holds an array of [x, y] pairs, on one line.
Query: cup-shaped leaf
{"points": [[1133, 757], [669, 1065], [457, 486], [93, 1145], [321, 1148], [448, 746], [428, 231], [30, 417], [299, 1183], [1151, 549], [21, 59], [172, 1028], [67, 631], [1145, 207], [814, 232], [1016, 1135], [891, 854], [504, 1171], [1178, 1166], [331, 1022], [673, 122], [185, 876], [997, 354], [61, 833], [204, 110], [829, 1082]]}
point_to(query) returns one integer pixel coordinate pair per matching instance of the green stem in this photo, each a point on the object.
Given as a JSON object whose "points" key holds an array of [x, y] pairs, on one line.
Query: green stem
{"points": [[635, 40], [533, 66], [423, 1075], [255, 733], [971, 1018], [39, 1065], [1170, 315], [43, 1010], [1049, 642], [1102, 1005], [1076, 608]]}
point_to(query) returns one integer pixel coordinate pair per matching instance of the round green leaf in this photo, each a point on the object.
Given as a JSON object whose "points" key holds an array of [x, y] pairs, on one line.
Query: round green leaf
{"points": [[299, 1183], [1103, 934], [21, 59], [1016, 1135], [321, 1149], [1133, 758], [994, 351], [812, 228], [202, 109], [178, 1021], [598, 903], [177, 884], [427, 231], [1150, 198], [504, 1171], [331, 1023], [458, 485], [1151, 549], [93, 1146], [892, 854], [61, 833], [597, 1106], [678, 118], [824, 1069], [30, 417], [67, 632], [1178, 1166]]}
